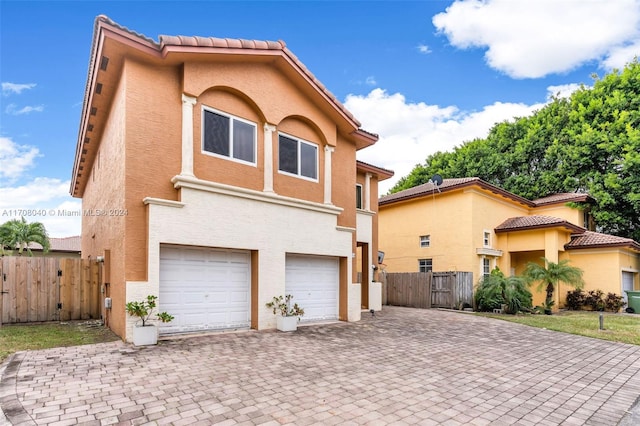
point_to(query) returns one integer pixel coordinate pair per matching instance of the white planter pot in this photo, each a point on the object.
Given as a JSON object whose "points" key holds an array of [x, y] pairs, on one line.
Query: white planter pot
{"points": [[147, 335], [286, 323]]}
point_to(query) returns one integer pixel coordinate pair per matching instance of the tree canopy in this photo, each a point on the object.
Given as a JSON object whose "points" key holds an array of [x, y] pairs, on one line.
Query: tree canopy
{"points": [[18, 234], [589, 142]]}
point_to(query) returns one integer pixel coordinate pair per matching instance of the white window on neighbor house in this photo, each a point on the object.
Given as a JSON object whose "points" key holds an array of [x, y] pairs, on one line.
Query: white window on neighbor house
{"points": [[425, 241], [224, 135], [359, 198], [297, 157], [486, 267], [425, 265], [486, 239]]}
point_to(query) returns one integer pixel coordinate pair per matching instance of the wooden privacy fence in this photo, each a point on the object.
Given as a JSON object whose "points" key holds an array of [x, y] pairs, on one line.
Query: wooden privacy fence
{"points": [[428, 289], [36, 289]]}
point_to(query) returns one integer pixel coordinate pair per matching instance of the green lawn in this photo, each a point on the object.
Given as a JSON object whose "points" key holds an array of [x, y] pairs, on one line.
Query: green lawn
{"points": [[617, 327], [14, 338]]}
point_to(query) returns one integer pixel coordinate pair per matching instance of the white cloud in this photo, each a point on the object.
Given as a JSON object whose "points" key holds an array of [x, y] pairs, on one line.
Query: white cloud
{"points": [[409, 132], [370, 81], [15, 159], [562, 91], [9, 88], [620, 56], [423, 48], [12, 109], [45, 200], [534, 38]]}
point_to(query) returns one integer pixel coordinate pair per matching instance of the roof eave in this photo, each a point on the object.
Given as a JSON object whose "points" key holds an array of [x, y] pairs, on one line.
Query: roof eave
{"points": [[379, 172], [566, 225]]}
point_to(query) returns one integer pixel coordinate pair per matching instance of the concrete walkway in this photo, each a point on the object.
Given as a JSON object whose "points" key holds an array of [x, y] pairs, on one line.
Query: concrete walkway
{"points": [[403, 366]]}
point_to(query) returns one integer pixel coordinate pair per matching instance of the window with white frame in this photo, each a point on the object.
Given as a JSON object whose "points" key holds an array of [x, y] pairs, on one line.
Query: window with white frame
{"points": [[486, 239], [425, 241], [486, 267], [297, 157], [359, 201], [228, 136], [425, 265]]}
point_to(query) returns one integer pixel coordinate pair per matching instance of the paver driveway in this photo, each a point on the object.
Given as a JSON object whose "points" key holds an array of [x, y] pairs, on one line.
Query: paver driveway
{"points": [[403, 366]]}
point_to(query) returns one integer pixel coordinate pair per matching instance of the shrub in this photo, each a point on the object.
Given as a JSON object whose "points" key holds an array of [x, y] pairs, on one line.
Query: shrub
{"points": [[575, 299], [613, 302], [594, 300]]}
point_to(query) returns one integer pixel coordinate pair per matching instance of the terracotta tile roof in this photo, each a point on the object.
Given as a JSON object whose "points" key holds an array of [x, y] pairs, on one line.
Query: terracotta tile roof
{"points": [[60, 244], [589, 239], [522, 223], [448, 185], [563, 197]]}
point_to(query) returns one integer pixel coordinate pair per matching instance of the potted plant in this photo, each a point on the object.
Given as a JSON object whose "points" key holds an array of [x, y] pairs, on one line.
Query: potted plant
{"points": [[288, 316], [146, 333]]}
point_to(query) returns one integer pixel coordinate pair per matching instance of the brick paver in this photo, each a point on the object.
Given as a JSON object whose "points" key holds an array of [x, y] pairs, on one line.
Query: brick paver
{"points": [[403, 366]]}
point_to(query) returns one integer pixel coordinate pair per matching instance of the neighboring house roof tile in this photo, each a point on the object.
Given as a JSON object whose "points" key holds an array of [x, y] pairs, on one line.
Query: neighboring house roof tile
{"points": [[60, 244], [448, 185], [589, 239], [521, 223], [563, 197]]}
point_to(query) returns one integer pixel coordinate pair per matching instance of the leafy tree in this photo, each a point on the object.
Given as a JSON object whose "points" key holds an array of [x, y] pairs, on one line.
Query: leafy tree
{"points": [[18, 234], [589, 143], [496, 289], [551, 274]]}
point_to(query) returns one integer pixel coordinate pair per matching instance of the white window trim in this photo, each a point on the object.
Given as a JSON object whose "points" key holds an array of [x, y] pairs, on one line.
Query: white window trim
{"points": [[361, 196], [420, 266], [300, 141], [230, 157], [482, 273], [485, 232], [428, 241]]}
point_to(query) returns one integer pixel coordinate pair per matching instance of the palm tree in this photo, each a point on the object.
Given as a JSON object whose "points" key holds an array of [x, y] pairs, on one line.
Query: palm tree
{"points": [[551, 274], [18, 234], [496, 289]]}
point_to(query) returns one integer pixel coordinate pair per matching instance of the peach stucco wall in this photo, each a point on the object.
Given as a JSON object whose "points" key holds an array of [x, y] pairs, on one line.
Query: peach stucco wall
{"points": [[142, 148], [104, 192]]}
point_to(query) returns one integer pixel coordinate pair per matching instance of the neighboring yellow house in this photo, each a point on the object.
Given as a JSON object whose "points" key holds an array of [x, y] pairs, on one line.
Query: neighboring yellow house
{"points": [[467, 224]]}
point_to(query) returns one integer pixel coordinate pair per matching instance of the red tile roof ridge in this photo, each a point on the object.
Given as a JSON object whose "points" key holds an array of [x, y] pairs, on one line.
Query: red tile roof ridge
{"points": [[563, 197], [519, 223], [72, 243], [591, 239], [429, 187]]}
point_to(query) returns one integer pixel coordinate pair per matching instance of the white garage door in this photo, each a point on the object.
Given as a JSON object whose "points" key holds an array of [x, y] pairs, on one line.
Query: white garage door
{"points": [[314, 282], [627, 284], [204, 289]]}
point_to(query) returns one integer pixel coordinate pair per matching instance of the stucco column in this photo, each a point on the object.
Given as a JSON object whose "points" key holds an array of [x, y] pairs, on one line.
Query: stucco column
{"points": [[268, 156], [327, 174], [367, 192], [187, 135]]}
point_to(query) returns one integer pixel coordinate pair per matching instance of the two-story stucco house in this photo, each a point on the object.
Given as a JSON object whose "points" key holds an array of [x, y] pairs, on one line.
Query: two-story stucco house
{"points": [[470, 225], [216, 174]]}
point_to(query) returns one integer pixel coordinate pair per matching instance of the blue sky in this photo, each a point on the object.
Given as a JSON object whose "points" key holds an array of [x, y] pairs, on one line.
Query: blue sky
{"points": [[426, 76]]}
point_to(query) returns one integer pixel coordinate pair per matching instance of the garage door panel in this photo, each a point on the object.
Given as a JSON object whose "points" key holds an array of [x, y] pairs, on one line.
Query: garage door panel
{"points": [[314, 283], [204, 288]]}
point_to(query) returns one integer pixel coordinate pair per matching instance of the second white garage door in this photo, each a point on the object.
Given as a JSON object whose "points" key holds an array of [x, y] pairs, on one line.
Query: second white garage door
{"points": [[314, 283], [204, 289]]}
